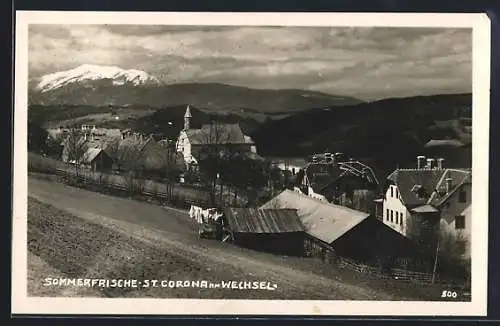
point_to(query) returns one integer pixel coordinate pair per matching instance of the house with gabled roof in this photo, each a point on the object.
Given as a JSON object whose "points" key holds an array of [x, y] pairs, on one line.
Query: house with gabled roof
{"points": [[216, 136], [423, 202]]}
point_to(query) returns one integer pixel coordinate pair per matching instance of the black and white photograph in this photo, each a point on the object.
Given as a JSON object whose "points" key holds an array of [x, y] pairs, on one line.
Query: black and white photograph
{"points": [[316, 164]]}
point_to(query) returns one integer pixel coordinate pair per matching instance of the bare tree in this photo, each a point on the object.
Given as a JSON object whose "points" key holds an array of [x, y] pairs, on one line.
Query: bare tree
{"points": [[75, 146], [215, 154], [131, 156], [113, 150]]}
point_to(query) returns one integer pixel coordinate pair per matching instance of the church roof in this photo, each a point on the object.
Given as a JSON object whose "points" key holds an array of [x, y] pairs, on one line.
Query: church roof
{"points": [[188, 113], [218, 134]]}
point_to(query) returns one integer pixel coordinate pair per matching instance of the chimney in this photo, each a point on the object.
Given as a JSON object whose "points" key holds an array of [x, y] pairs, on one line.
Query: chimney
{"points": [[420, 162], [449, 184], [430, 163], [440, 163]]}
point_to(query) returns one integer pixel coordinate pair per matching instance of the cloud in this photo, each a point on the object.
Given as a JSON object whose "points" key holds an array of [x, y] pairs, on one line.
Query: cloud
{"points": [[366, 62]]}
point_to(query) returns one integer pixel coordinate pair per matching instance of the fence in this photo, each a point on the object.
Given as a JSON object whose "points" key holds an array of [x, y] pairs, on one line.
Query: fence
{"points": [[326, 253], [183, 196]]}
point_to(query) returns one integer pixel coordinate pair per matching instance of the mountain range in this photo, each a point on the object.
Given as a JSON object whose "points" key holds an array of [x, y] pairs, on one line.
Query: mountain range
{"points": [[96, 85]]}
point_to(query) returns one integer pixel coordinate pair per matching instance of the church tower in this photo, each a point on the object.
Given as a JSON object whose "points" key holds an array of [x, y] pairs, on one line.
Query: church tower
{"points": [[187, 118]]}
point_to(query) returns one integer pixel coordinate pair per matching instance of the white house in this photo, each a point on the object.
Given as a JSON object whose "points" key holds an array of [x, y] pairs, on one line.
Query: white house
{"points": [[428, 198]]}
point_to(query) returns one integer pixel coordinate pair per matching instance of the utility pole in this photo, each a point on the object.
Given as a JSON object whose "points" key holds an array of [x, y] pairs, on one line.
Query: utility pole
{"points": [[435, 263]]}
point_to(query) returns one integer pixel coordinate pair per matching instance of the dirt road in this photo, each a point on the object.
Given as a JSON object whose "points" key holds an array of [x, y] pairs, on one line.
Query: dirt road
{"points": [[172, 232]]}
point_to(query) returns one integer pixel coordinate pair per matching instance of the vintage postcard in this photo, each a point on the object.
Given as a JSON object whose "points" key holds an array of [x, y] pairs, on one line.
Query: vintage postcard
{"points": [[251, 163]]}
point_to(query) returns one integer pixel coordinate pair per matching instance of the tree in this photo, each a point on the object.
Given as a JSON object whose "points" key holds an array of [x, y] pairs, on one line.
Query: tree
{"points": [[243, 173], [53, 145], [215, 154], [36, 137], [75, 146]]}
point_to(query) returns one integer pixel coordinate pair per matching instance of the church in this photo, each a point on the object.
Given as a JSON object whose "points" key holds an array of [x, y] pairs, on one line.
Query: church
{"points": [[217, 136]]}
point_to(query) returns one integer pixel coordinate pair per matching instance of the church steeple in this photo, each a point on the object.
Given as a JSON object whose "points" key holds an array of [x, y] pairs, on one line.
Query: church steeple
{"points": [[187, 118]]}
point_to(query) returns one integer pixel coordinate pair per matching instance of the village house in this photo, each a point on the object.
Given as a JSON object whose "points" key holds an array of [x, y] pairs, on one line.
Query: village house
{"points": [[145, 154], [217, 136], [333, 230], [428, 202], [332, 178]]}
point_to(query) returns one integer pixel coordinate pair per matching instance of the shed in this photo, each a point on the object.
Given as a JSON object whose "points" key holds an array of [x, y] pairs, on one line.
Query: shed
{"points": [[349, 233], [272, 230], [97, 159]]}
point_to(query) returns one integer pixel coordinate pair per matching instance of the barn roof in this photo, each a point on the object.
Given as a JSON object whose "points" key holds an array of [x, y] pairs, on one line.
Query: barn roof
{"points": [[255, 220], [91, 154], [322, 220]]}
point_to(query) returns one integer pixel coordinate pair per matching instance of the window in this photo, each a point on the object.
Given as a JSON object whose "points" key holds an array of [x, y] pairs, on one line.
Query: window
{"points": [[391, 216], [387, 214], [397, 194], [397, 218], [392, 194], [459, 222], [462, 196], [401, 219]]}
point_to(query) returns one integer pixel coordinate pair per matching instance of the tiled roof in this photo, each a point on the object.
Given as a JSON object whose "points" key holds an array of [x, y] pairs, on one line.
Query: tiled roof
{"points": [[458, 177], [406, 179], [322, 220], [254, 220], [217, 134], [432, 184]]}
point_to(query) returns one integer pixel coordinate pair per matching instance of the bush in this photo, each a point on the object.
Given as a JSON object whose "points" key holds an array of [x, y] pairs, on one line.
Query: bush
{"points": [[41, 164]]}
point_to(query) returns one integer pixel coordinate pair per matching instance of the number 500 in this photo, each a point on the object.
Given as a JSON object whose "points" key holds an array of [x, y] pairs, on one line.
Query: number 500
{"points": [[448, 294]]}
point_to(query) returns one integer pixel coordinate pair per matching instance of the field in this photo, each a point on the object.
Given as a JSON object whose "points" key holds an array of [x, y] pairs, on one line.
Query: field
{"points": [[78, 233]]}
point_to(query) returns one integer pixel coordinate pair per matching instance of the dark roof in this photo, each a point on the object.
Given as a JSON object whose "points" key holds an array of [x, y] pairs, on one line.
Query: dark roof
{"points": [[322, 220], [406, 179], [458, 177], [217, 134], [431, 182], [91, 155], [254, 220], [321, 174]]}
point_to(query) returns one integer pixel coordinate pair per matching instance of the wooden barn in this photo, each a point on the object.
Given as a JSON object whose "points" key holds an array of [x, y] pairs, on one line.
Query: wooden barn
{"points": [[276, 231], [97, 159], [333, 231]]}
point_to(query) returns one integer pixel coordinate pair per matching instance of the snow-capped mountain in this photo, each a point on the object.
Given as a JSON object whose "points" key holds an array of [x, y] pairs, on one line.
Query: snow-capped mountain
{"points": [[89, 73]]}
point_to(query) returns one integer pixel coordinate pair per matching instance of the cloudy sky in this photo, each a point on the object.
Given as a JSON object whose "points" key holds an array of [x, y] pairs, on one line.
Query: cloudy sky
{"points": [[368, 63]]}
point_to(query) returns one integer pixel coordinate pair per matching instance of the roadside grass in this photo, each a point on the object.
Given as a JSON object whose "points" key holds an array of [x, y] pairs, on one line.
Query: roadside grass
{"points": [[41, 164]]}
